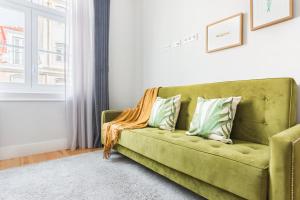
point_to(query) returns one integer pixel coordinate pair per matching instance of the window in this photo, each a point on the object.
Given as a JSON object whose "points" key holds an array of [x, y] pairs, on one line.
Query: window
{"points": [[32, 46], [12, 34], [51, 46], [59, 5], [59, 52], [17, 50]]}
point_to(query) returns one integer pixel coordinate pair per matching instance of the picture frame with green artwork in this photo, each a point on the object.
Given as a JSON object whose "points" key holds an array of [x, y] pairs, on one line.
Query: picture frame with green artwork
{"points": [[264, 13]]}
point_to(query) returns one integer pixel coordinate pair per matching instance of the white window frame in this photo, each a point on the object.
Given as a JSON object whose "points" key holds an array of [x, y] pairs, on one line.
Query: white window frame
{"points": [[30, 89]]}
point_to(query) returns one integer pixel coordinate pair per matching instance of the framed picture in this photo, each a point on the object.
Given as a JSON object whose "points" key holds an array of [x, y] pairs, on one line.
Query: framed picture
{"points": [[269, 12], [224, 34]]}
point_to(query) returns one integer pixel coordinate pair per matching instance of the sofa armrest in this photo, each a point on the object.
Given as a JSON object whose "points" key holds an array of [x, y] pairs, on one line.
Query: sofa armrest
{"points": [[285, 165], [108, 116]]}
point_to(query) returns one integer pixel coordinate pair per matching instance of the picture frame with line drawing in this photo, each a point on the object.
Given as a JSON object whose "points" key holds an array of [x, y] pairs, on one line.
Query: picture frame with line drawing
{"points": [[264, 13]]}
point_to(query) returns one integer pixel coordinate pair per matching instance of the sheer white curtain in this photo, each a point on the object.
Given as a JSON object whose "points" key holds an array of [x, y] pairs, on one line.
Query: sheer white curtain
{"points": [[80, 83]]}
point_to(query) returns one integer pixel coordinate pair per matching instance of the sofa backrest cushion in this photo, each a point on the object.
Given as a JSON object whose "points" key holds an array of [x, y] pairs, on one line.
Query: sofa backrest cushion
{"points": [[268, 106]]}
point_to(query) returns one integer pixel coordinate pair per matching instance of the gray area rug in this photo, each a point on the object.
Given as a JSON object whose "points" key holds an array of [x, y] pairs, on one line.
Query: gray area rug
{"points": [[88, 177]]}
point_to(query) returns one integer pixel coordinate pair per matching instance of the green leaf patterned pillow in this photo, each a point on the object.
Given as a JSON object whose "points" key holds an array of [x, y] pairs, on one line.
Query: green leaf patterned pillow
{"points": [[213, 118], [164, 113]]}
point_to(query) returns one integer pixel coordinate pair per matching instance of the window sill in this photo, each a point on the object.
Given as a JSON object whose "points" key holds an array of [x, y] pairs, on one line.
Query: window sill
{"points": [[31, 97]]}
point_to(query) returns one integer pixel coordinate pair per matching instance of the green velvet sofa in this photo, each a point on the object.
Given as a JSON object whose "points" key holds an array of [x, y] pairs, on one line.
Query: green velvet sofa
{"points": [[263, 162]]}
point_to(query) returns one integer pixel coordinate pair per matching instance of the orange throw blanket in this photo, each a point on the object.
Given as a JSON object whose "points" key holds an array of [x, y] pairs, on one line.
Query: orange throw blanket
{"points": [[129, 119]]}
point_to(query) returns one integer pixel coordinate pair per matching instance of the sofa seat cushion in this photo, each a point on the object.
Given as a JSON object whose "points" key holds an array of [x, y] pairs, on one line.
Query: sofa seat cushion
{"points": [[240, 168]]}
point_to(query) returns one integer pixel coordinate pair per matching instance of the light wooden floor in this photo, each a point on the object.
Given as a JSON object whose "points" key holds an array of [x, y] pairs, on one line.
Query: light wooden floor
{"points": [[18, 162]]}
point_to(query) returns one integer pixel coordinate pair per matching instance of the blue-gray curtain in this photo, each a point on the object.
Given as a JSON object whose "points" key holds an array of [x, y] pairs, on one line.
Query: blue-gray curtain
{"points": [[102, 8]]}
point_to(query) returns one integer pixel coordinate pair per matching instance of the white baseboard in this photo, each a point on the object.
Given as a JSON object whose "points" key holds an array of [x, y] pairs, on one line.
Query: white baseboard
{"points": [[15, 151]]}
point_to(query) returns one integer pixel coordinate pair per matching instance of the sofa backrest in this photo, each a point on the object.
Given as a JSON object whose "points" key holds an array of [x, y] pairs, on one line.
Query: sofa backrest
{"points": [[268, 106]]}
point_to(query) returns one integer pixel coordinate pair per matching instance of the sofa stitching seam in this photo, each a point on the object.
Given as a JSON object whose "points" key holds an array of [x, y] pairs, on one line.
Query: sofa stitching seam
{"points": [[290, 103], [264, 168], [292, 174], [292, 181], [265, 175], [292, 153]]}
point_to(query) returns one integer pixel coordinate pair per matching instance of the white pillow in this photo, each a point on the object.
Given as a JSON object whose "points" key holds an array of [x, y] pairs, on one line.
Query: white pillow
{"points": [[165, 113], [213, 118]]}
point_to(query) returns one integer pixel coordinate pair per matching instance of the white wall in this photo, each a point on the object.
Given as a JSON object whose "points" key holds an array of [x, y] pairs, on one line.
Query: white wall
{"points": [[269, 52], [125, 53], [31, 127]]}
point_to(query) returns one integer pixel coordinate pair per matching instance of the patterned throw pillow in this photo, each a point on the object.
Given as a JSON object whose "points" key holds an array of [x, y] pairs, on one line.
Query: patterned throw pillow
{"points": [[213, 118], [165, 112]]}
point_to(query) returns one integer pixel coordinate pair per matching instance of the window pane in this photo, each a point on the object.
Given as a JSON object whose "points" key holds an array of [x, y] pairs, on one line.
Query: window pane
{"points": [[51, 35], [55, 4], [51, 43], [51, 69], [12, 57]]}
